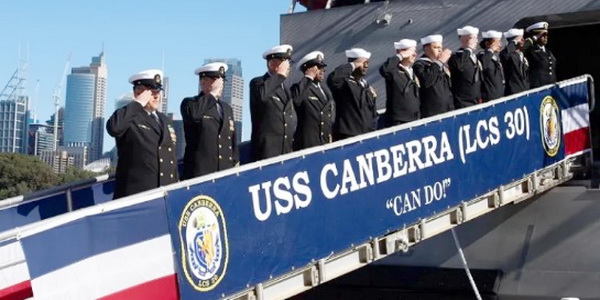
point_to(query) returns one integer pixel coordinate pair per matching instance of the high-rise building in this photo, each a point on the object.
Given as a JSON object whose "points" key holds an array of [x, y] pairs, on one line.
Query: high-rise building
{"points": [[41, 138], [61, 127], [60, 161], [14, 125], [165, 99], [233, 91], [85, 105], [180, 144], [79, 152], [14, 114]]}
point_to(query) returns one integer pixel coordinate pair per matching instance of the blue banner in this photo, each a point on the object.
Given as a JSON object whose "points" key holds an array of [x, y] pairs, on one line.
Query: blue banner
{"points": [[241, 230]]}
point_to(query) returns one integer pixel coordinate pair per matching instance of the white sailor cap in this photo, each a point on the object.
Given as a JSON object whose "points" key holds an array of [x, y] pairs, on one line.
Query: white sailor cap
{"points": [[405, 44], [280, 51], [150, 78], [315, 58], [468, 30], [358, 53], [431, 39], [491, 34], [511, 33], [538, 27], [212, 70]]}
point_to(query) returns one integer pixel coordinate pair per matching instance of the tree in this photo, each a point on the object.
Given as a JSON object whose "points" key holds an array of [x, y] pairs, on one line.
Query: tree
{"points": [[75, 174], [22, 174]]}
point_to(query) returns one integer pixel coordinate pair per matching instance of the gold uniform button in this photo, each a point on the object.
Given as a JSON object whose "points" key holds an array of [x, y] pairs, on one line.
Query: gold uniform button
{"points": [[230, 158], [159, 147], [161, 160], [229, 147], [219, 136], [172, 162], [172, 176], [161, 174], [220, 146], [169, 149], [285, 136], [220, 157]]}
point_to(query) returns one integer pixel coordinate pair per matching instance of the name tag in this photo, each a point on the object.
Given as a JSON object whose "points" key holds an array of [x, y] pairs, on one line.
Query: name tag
{"points": [[313, 98], [276, 98], [143, 126]]}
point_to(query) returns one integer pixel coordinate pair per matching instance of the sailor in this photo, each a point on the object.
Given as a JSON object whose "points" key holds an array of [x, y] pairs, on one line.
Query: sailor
{"points": [[145, 138], [465, 69], [313, 102], [210, 136], [354, 97], [271, 107], [492, 78], [514, 63], [401, 84], [542, 64], [434, 77]]}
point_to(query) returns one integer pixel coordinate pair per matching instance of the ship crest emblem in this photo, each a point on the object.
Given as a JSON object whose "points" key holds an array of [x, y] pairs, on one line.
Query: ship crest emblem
{"points": [[204, 243], [550, 126]]}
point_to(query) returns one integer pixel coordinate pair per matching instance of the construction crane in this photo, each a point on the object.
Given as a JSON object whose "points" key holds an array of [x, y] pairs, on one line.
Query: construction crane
{"points": [[34, 102], [56, 96]]}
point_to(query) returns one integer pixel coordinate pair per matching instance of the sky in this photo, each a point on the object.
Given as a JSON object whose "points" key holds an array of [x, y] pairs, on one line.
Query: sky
{"points": [[135, 36]]}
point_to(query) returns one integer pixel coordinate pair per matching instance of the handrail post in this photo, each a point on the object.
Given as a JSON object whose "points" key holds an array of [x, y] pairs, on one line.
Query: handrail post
{"points": [[69, 200]]}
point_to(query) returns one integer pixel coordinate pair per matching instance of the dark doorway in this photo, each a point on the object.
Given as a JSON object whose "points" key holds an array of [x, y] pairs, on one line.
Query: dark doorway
{"points": [[578, 52]]}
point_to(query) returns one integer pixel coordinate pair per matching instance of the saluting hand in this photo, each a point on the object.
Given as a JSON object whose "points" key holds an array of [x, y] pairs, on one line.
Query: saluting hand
{"points": [[373, 91], [311, 72], [216, 88], [284, 68], [445, 55], [496, 46], [408, 53], [144, 98]]}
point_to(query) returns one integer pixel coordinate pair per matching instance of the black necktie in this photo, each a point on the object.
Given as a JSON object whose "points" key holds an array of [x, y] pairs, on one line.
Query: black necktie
{"points": [[157, 119], [322, 92], [219, 109]]}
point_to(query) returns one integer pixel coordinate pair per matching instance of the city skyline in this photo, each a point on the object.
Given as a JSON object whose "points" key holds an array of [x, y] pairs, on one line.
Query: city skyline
{"points": [[47, 33]]}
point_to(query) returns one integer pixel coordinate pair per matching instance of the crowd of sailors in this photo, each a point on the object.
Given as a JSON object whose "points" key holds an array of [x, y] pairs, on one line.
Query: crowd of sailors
{"points": [[320, 108]]}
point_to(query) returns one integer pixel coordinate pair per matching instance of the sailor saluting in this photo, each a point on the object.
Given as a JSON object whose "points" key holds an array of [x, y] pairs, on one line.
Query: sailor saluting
{"points": [[354, 97], [313, 102], [145, 138], [466, 69], [401, 84], [271, 107], [434, 77], [210, 136], [542, 63]]}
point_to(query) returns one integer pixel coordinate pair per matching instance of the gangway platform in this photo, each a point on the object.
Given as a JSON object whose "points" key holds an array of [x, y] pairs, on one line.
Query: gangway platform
{"points": [[275, 228]]}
